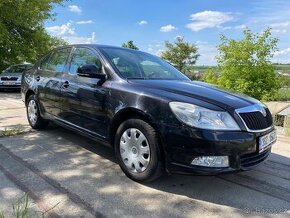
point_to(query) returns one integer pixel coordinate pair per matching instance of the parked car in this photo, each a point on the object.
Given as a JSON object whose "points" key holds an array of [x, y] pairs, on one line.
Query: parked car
{"points": [[155, 117], [11, 77]]}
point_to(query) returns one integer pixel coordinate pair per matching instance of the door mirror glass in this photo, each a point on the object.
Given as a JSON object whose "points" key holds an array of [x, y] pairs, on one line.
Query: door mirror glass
{"points": [[91, 71]]}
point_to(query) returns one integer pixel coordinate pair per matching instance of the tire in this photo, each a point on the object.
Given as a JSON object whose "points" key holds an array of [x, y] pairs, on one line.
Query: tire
{"points": [[33, 115], [138, 151]]}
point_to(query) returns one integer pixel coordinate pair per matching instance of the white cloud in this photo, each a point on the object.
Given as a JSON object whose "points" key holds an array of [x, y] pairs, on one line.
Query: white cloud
{"points": [[142, 22], [243, 26], [208, 19], [282, 52], [238, 27], [208, 53], [167, 28], [67, 32], [282, 56], [281, 27], [65, 29], [75, 9], [85, 22], [81, 39], [226, 28]]}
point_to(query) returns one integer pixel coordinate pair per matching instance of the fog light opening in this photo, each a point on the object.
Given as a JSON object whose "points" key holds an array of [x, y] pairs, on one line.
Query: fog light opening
{"points": [[211, 161]]}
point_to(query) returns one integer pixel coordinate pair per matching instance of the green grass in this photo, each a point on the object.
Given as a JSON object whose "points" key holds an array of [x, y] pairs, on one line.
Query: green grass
{"points": [[283, 94], [20, 209], [12, 132], [284, 67]]}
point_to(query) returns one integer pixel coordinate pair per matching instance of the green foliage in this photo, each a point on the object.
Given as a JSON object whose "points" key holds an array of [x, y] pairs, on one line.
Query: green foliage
{"points": [[20, 209], [210, 76], [282, 94], [245, 64], [182, 55], [18, 130], [22, 33], [284, 81], [130, 44]]}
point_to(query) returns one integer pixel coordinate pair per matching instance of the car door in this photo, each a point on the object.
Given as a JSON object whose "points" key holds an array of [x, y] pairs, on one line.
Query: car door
{"points": [[83, 98], [49, 80]]}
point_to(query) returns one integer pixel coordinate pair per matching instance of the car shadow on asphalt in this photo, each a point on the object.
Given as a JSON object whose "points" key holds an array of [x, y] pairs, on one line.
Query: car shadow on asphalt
{"points": [[250, 192], [263, 190]]}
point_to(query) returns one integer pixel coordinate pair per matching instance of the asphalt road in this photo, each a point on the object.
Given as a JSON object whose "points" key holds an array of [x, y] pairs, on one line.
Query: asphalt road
{"points": [[68, 175]]}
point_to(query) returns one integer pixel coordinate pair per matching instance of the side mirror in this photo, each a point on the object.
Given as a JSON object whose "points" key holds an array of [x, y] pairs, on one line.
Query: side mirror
{"points": [[91, 71]]}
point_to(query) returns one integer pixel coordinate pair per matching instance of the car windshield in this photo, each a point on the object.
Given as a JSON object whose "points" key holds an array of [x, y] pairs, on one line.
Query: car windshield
{"points": [[17, 68], [132, 64]]}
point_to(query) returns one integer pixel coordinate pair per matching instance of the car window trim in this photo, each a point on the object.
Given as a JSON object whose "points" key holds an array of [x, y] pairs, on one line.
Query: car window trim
{"points": [[66, 61], [91, 49]]}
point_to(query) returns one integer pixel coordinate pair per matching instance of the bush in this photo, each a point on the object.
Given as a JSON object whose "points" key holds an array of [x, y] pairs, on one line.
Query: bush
{"points": [[246, 65], [210, 76]]}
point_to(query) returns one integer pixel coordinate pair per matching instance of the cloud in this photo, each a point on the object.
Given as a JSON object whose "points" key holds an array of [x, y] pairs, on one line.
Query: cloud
{"points": [[84, 22], [75, 9], [167, 28], [281, 27], [208, 19], [142, 22], [208, 53], [243, 26], [65, 29], [68, 33], [282, 56], [282, 52], [81, 39]]}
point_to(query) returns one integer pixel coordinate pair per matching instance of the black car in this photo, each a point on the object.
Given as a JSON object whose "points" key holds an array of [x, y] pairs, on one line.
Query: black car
{"points": [[11, 77], [155, 117]]}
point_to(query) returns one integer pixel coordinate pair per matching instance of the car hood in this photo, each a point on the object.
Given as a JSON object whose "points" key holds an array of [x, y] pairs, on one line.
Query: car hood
{"points": [[10, 74], [200, 91]]}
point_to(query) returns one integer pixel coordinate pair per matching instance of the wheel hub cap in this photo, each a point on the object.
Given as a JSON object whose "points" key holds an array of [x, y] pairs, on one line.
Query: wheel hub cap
{"points": [[135, 150], [32, 112]]}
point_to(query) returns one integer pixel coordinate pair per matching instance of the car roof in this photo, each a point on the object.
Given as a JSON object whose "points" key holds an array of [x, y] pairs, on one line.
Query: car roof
{"points": [[15, 65], [94, 46]]}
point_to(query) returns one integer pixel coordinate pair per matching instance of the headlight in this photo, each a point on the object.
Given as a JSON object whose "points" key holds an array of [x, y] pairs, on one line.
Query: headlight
{"points": [[203, 118]]}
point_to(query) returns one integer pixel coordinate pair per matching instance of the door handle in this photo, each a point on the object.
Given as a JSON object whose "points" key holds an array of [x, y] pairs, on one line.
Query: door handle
{"points": [[66, 84], [37, 78]]}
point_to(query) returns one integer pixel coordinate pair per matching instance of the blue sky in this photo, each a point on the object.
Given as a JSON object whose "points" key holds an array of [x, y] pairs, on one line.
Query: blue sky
{"points": [[149, 23]]}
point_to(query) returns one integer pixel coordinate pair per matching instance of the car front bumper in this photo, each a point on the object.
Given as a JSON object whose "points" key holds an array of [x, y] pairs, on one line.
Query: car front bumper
{"points": [[182, 144], [12, 86]]}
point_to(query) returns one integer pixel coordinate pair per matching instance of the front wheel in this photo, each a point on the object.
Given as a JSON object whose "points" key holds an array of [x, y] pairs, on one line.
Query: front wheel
{"points": [[138, 151], [33, 115]]}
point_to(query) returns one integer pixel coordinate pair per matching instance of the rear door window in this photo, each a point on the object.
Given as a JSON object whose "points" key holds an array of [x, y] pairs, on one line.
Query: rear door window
{"points": [[56, 61]]}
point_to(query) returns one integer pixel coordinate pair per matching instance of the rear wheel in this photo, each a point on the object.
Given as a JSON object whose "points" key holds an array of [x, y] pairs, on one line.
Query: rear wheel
{"points": [[138, 151], [33, 115]]}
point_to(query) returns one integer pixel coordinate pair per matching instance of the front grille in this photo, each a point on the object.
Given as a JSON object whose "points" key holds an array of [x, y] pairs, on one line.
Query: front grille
{"points": [[256, 121], [9, 78], [250, 160]]}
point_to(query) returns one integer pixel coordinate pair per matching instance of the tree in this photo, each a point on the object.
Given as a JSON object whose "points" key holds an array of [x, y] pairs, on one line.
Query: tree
{"points": [[23, 36], [210, 76], [245, 64], [130, 45], [182, 55]]}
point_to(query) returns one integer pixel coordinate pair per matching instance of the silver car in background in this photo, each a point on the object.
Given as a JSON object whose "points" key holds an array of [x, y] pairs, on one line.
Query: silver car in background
{"points": [[11, 77]]}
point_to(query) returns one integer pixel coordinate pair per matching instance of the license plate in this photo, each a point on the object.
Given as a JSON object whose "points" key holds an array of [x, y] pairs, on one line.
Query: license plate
{"points": [[266, 141], [9, 83]]}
